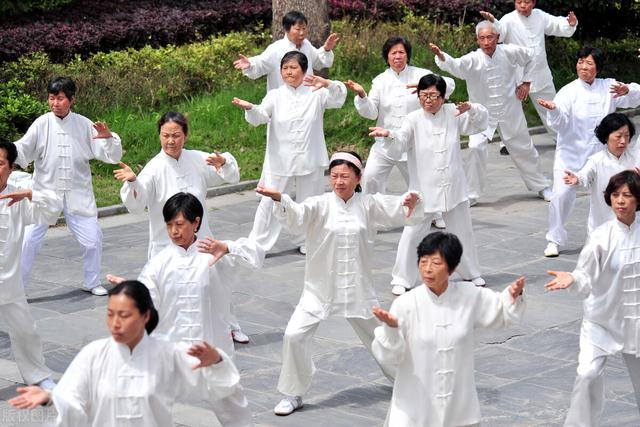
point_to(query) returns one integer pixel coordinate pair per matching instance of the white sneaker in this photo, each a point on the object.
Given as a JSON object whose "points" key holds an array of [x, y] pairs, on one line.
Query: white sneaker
{"points": [[438, 222], [98, 291], [398, 290], [473, 201], [479, 281], [545, 194], [288, 405], [302, 249], [239, 336], [551, 250]]}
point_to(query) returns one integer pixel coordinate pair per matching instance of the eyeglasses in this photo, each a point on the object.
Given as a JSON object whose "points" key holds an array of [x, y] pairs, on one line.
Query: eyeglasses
{"points": [[429, 96]]}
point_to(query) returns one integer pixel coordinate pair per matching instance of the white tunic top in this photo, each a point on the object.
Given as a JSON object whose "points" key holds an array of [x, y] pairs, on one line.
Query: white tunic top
{"points": [[432, 352], [608, 275], [579, 109], [189, 294], [389, 101], [492, 80], [432, 142], [165, 176], [530, 31], [339, 238], [268, 62], [106, 385], [61, 150], [42, 209], [595, 175], [295, 142]]}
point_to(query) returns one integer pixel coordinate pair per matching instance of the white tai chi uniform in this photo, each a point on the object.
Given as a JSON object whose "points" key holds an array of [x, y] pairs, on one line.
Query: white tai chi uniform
{"points": [[14, 310], [580, 107], [337, 278], [608, 275], [389, 101], [164, 177], [192, 305], [431, 352], [530, 31], [61, 150], [296, 153], [594, 177], [268, 62], [492, 82], [107, 385], [432, 142]]}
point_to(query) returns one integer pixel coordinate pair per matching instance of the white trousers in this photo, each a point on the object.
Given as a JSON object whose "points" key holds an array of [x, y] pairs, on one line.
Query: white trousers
{"points": [[587, 397], [560, 207], [266, 227], [516, 138], [458, 220], [297, 364], [87, 233], [25, 341], [377, 170], [233, 411], [547, 93]]}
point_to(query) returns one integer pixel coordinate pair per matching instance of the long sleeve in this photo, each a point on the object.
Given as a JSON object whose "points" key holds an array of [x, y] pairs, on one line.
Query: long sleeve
{"points": [[27, 146], [496, 310], [587, 175], [296, 217], [149, 277], [404, 137], [559, 117], [522, 56], [321, 58], [458, 67], [72, 394], [367, 107], [389, 344], [44, 208], [261, 114], [387, 211], [587, 271], [228, 173], [631, 99], [136, 195], [262, 64], [474, 121], [557, 25], [212, 382], [336, 94], [245, 252], [108, 150]]}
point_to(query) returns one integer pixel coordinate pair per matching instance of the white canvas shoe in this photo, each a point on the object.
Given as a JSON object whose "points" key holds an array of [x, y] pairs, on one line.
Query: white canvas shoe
{"points": [[551, 250], [288, 405], [545, 194], [398, 290], [239, 336], [98, 291]]}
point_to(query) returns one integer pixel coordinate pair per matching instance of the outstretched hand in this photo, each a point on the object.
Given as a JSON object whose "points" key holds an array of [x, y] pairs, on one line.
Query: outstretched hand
{"points": [[216, 160], [385, 317], [562, 280], [619, 89], [355, 87], [572, 19], [549, 105], [114, 280], [315, 82], [216, 248], [269, 192], [242, 63], [436, 51], [16, 196], [102, 129], [462, 107], [378, 132], [331, 41], [570, 178], [516, 288], [487, 15], [522, 90], [410, 201], [29, 397], [125, 173], [245, 105], [205, 353]]}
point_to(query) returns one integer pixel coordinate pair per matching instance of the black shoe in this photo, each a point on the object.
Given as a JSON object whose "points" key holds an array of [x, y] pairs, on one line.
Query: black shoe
{"points": [[504, 151]]}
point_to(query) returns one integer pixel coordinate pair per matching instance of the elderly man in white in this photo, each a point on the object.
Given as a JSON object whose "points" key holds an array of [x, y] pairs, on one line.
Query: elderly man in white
{"points": [[61, 143], [527, 26], [493, 79]]}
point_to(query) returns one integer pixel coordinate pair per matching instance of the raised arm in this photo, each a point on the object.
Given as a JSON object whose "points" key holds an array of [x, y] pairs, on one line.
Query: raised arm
{"points": [[473, 118], [497, 310], [220, 168], [136, 190], [36, 207], [560, 26], [389, 344], [105, 145]]}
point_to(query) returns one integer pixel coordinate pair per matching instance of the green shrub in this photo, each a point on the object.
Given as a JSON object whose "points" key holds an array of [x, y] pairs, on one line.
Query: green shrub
{"points": [[18, 108], [16, 7]]}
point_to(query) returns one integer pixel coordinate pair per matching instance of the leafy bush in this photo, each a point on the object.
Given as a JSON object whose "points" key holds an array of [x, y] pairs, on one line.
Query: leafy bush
{"points": [[16, 7], [18, 109]]}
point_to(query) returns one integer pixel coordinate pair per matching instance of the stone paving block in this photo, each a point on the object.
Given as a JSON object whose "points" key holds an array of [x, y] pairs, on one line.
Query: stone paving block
{"points": [[354, 362]]}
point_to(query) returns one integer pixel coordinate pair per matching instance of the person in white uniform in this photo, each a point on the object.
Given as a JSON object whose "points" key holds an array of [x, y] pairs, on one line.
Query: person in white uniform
{"points": [[61, 143], [390, 100], [131, 378], [606, 275], [186, 283], [574, 113], [428, 339], [527, 26], [496, 79], [295, 38], [615, 131], [175, 169], [19, 207], [431, 137], [296, 153], [340, 229]]}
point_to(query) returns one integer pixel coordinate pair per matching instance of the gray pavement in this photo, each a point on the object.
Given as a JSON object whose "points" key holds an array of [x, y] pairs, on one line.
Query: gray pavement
{"points": [[524, 374]]}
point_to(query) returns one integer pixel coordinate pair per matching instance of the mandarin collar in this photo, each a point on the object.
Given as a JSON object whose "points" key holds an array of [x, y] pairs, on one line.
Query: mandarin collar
{"points": [[127, 354]]}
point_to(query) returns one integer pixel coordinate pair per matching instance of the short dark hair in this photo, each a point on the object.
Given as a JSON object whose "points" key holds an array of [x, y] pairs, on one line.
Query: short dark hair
{"points": [[353, 167], [391, 42], [64, 85], [140, 295], [175, 117], [629, 177], [446, 244], [299, 57], [611, 123], [597, 55], [292, 18], [10, 148], [185, 203], [432, 80]]}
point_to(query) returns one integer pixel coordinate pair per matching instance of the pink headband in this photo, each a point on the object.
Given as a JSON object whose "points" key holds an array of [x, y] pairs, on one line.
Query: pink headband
{"points": [[341, 155]]}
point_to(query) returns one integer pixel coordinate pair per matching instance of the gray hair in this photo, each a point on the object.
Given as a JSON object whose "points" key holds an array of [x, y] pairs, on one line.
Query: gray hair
{"points": [[486, 24]]}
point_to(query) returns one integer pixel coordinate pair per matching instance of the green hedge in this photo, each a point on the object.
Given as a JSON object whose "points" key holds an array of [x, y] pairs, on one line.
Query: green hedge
{"points": [[16, 7]]}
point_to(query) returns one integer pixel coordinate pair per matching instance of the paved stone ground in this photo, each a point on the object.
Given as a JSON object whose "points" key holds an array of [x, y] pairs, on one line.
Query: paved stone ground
{"points": [[524, 374]]}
